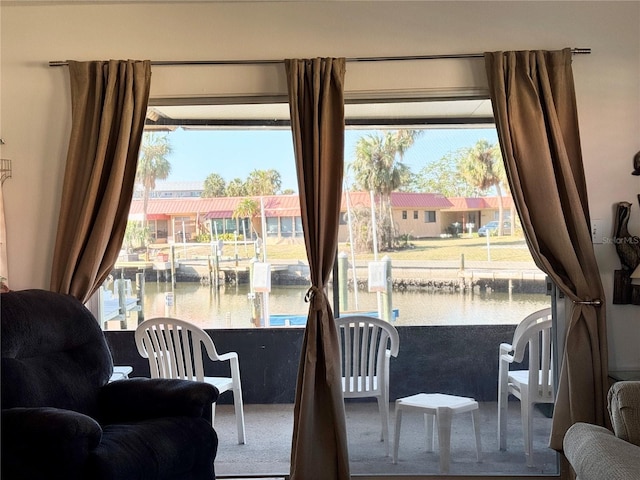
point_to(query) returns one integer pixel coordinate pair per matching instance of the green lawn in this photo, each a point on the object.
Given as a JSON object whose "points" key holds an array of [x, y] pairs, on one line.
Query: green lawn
{"points": [[506, 249], [512, 249]]}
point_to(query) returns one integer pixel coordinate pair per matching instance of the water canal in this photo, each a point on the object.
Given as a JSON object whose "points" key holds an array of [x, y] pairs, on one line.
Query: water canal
{"points": [[228, 306]]}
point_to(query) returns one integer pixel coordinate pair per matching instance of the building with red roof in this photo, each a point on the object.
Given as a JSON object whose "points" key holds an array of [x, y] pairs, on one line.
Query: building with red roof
{"points": [[419, 215], [473, 212]]}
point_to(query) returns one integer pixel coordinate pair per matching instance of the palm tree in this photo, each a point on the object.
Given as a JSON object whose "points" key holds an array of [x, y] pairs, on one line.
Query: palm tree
{"points": [[152, 164], [247, 208], [482, 167], [263, 182], [214, 186], [236, 188], [379, 167]]}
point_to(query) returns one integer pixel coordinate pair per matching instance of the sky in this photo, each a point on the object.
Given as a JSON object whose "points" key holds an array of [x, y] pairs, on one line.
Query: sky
{"points": [[235, 153]]}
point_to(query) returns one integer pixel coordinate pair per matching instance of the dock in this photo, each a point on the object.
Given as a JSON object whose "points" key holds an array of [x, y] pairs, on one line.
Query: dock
{"points": [[447, 275], [118, 304]]}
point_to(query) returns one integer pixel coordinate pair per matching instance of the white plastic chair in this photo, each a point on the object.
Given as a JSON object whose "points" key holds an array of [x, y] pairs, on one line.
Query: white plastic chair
{"points": [[531, 386], [168, 342], [367, 344]]}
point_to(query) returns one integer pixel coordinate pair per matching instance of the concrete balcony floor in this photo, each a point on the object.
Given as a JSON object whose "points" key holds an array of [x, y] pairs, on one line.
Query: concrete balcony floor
{"points": [[269, 429]]}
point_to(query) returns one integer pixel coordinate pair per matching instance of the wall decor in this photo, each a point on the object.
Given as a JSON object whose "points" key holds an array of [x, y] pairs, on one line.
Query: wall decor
{"points": [[626, 288]]}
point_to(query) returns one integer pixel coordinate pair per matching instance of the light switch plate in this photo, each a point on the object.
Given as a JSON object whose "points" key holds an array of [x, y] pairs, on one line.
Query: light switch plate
{"points": [[597, 230]]}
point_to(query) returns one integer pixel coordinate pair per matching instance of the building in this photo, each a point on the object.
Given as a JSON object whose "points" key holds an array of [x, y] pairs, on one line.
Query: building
{"points": [[472, 213], [416, 215], [172, 190]]}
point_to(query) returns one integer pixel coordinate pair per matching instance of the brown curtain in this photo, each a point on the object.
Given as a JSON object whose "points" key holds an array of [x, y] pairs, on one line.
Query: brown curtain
{"points": [[536, 116], [316, 102], [108, 107]]}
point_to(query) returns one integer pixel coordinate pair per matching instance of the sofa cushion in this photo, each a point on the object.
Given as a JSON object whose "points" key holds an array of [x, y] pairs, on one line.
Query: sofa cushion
{"points": [[46, 443], [596, 454], [624, 409], [155, 449]]}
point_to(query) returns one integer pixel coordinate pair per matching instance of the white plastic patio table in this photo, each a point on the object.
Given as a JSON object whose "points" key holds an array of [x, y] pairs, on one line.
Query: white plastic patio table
{"points": [[438, 407]]}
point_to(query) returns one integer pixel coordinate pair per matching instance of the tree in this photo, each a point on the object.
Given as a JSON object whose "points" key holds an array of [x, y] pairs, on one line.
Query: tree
{"points": [[263, 182], [152, 165], [445, 176], [214, 186], [247, 208], [482, 167], [135, 236], [362, 229], [378, 166], [236, 188]]}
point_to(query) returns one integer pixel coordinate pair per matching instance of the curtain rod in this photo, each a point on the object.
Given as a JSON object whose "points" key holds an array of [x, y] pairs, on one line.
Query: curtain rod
{"points": [[575, 51]]}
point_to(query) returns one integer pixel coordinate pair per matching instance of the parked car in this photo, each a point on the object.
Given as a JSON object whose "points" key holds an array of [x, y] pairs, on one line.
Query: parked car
{"points": [[491, 228]]}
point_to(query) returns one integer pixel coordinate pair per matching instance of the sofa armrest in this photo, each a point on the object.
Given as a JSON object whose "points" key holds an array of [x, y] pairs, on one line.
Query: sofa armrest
{"points": [[624, 410], [139, 399], [37, 441], [595, 454]]}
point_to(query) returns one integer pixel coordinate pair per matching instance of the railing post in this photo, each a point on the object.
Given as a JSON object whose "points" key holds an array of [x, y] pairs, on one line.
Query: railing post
{"points": [[387, 300], [462, 279], [255, 314], [140, 285], [343, 290], [172, 252], [122, 304]]}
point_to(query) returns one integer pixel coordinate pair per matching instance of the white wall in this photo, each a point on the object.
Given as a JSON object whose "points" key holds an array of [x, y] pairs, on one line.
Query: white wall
{"points": [[35, 110]]}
